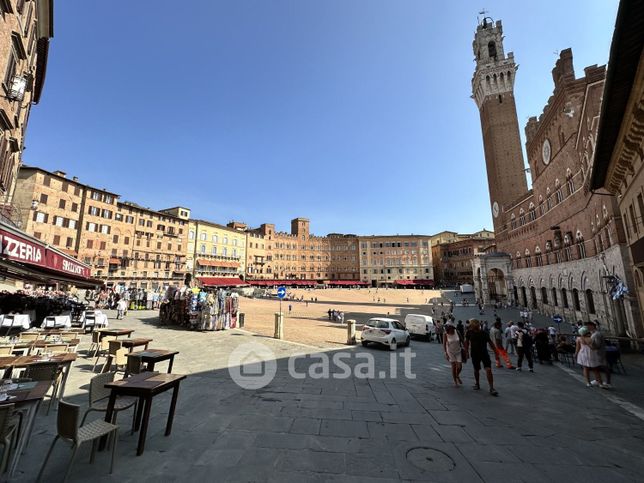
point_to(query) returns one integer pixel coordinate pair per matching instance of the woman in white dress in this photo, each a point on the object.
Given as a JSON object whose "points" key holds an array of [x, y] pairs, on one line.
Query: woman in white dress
{"points": [[452, 346], [583, 354]]}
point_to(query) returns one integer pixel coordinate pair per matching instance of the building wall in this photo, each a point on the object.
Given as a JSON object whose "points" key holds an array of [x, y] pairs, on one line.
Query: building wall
{"points": [[455, 259], [122, 242], [258, 257], [19, 41], [559, 235], [385, 259], [215, 250]]}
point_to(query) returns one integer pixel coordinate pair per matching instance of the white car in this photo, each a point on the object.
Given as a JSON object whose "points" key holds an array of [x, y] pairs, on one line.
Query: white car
{"points": [[420, 325], [389, 332]]}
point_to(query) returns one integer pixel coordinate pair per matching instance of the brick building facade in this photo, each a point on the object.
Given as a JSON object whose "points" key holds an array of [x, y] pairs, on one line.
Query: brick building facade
{"points": [[453, 260], [563, 240], [124, 243], [301, 255], [25, 30]]}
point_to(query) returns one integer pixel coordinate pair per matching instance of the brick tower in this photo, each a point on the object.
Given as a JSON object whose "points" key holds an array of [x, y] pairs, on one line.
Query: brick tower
{"points": [[493, 92]]}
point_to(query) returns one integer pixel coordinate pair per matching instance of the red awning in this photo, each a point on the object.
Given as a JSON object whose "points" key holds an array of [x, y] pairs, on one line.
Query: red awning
{"points": [[222, 281], [217, 263], [347, 283], [290, 283], [23, 250]]}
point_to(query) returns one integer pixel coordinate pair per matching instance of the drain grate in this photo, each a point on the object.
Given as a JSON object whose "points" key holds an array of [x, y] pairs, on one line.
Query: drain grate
{"points": [[430, 459]]}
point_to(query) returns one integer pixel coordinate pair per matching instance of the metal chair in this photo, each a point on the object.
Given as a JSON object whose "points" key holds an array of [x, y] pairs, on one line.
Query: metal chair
{"points": [[69, 430], [99, 397], [8, 425]]}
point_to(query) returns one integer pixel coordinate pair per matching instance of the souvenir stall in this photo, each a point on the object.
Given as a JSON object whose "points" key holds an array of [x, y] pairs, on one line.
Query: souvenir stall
{"points": [[200, 308]]}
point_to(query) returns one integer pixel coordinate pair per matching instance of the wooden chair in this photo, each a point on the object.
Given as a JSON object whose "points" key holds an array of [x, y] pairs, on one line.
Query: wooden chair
{"points": [[134, 366], [53, 348], [119, 354], [69, 430]]}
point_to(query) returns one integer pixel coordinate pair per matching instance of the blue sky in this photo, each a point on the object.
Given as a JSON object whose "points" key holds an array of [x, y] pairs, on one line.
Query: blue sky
{"points": [[353, 113]]}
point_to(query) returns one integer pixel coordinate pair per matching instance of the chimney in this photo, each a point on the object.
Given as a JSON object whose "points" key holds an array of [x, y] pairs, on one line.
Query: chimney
{"points": [[62, 174], [75, 178]]}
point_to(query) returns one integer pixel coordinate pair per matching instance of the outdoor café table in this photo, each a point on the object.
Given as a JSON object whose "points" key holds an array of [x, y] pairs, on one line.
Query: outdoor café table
{"points": [[136, 342], [145, 386], [64, 360], [57, 321], [152, 356], [116, 332], [19, 320], [27, 396]]}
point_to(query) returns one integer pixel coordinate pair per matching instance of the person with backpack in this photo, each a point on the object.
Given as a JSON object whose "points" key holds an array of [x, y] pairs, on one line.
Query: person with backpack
{"points": [[524, 347]]}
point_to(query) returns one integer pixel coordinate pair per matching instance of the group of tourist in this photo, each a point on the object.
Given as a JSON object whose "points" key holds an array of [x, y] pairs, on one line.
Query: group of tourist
{"points": [[336, 315], [471, 341]]}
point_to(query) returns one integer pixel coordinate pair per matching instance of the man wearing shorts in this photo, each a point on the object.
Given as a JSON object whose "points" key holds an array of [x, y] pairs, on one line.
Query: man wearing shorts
{"points": [[476, 344]]}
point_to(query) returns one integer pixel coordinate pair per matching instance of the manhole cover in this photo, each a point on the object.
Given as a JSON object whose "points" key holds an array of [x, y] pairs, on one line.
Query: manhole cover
{"points": [[430, 459]]}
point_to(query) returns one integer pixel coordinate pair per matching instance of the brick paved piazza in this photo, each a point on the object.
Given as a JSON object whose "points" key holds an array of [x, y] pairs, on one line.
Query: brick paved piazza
{"points": [[544, 426]]}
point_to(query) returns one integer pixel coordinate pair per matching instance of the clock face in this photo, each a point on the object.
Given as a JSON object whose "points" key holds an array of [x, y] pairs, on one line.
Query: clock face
{"points": [[495, 209], [546, 152]]}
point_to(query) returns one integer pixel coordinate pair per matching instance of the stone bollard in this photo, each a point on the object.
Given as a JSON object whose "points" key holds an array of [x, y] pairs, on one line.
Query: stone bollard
{"points": [[279, 325], [351, 332]]}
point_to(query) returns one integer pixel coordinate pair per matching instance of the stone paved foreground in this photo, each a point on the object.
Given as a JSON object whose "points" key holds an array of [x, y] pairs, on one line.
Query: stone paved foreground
{"points": [[544, 426]]}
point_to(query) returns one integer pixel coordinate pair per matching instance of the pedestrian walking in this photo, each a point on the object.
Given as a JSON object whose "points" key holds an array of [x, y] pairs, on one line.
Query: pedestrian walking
{"points": [[510, 338], [582, 353], [460, 329], [524, 347], [330, 312], [496, 336], [476, 344], [598, 355], [453, 348], [121, 307]]}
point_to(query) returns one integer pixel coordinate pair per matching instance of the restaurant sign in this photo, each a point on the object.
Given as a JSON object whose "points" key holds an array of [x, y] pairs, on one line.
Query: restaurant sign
{"points": [[23, 250]]}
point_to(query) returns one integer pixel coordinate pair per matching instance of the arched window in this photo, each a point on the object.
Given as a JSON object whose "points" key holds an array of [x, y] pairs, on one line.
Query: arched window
{"points": [[567, 250], [542, 207], [202, 248], [537, 256], [581, 247], [544, 295], [491, 50], [548, 199], [521, 217], [528, 260], [564, 298], [532, 215], [570, 183], [590, 303], [554, 297], [558, 193], [513, 221], [575, 299]]}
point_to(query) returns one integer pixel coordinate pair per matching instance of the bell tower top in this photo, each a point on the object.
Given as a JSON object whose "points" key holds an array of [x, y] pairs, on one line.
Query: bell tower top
{"points": [[494, 72]]}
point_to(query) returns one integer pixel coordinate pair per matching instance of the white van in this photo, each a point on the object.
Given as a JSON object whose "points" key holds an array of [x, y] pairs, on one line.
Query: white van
{"points": [[422, 325]]}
